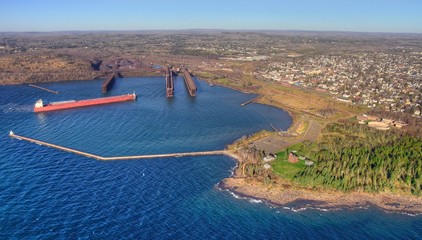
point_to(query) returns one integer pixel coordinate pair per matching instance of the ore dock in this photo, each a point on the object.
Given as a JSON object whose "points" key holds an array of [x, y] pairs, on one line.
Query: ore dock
{"points": [[169, 82], [190, 84]]}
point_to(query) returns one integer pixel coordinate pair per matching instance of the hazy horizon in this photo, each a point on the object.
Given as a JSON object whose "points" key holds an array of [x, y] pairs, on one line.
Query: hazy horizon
{"points": [[212, 30], [387, 16]]}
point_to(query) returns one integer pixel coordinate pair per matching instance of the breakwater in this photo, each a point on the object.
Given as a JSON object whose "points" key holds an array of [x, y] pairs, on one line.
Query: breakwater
{"points": [[133, 157]]}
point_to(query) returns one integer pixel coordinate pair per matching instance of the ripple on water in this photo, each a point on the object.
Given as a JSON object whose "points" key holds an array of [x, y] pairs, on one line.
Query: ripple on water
{"points": [[47, 193]]}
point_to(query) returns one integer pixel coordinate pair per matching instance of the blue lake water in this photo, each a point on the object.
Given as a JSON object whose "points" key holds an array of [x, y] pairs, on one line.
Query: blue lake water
{"points": [[49, 194]]}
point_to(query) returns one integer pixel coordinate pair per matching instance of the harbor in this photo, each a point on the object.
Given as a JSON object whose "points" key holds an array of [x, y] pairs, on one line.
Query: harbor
{"points": [[83, 187]]}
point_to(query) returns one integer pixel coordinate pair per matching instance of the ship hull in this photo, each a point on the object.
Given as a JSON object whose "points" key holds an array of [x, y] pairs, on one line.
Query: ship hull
{"points": [[85, 103]]}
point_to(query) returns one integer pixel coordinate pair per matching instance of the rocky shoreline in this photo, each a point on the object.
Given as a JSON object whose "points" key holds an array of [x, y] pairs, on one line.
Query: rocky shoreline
{"points": [[284, 193]]}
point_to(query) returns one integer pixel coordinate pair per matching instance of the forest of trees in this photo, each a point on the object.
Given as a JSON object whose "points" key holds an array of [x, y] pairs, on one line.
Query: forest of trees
{"points": [[355, 157]]}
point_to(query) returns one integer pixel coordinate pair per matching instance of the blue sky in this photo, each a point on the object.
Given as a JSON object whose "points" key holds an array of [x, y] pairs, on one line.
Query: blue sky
{"points": [[324, 15]]}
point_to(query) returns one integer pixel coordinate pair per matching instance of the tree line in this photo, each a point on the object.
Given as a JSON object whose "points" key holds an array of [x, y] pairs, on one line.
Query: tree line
{"points": [[354, 157]]}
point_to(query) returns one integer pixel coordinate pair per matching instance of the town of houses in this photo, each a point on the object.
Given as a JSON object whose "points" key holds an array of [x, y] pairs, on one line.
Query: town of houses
{"points": [[392, 82]]}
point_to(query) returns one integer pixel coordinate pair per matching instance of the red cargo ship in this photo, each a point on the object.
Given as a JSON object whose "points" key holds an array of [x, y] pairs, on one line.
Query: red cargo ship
{"points": [[40, 107]]}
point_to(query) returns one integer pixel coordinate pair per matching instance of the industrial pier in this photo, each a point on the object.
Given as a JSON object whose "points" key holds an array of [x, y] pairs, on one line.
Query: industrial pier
{"points": [[189, 82], [166, 155], [169, 82], [108, 83]]}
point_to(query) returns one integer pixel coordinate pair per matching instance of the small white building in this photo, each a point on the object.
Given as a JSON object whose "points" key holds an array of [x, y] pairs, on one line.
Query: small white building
{"points": [[309, 163], [269, 158]]}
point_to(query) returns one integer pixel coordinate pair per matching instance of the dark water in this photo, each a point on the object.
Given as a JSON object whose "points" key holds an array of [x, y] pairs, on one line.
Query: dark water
{"points": [[49, 194]]}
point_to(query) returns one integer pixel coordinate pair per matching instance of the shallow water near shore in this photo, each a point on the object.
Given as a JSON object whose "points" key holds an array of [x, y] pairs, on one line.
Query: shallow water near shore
{"points": [[46, 193]]}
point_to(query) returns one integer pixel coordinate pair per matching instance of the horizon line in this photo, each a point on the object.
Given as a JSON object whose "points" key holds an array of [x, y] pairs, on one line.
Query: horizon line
{"points": [[214, 29]]}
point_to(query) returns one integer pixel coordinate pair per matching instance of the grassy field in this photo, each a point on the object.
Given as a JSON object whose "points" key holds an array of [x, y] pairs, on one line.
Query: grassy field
{"points": [[284, 168], [301, 129], [204, 75]]}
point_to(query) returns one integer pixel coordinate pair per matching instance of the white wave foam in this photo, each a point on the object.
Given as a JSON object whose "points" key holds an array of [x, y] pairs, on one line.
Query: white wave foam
{"points": [[233, 169], [235, 195], [255, 201], [251, 200]]}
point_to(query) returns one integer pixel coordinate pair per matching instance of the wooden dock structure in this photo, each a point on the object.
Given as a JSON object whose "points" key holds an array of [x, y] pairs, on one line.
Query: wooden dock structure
{"points": [[190, 84], [165, 155], [108, 83], [169, 82], [42, 88], [249, 101]]}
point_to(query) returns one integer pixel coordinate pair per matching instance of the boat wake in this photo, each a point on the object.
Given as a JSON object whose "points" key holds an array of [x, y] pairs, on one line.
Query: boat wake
{"points": [[15, 108]]}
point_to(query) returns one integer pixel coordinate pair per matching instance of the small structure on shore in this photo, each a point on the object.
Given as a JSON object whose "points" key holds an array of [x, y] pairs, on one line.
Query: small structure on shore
{"points": [[379, 125], [269, 158], [309, 162], [399, 124], [293, 158]]}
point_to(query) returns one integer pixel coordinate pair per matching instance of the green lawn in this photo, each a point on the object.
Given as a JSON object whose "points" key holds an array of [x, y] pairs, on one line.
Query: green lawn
{"points": [[306, 149], [286, 169]]}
